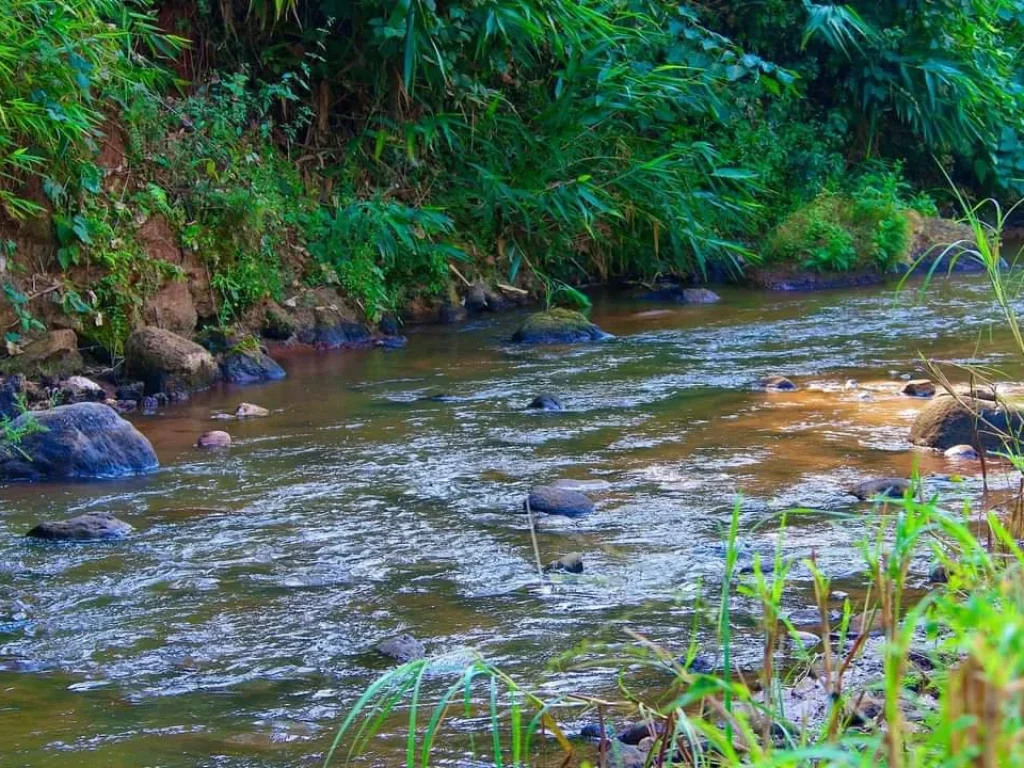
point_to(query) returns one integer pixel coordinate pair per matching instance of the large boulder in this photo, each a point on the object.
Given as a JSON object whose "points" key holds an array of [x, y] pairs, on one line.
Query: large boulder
{"points": [[245, 366], [557, 326], [166, 362], [84, 441], [92, 526], [949, 421]]}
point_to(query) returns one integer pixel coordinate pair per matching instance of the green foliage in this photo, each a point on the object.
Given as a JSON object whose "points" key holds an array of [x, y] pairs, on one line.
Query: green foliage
{"points": [[912, 79], [13, 434], [62, 64], [378, 251], [869, 227]]}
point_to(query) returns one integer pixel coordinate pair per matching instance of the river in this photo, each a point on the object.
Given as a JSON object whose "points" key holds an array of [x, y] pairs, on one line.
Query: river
{"points": [[234, 627]]}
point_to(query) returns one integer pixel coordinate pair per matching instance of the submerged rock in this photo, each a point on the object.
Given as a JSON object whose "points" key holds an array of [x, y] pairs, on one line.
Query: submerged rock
{"points": [[948, 421], [250, 366], [962, 453], [83, 441], [571, 563], [214, 439], [919, 388], [546, 403], [558, 326], [559, 501], [250, 411], [402, 649], [776, 384], [166, 362], [886, 487], [680, 295], [92, 526]]}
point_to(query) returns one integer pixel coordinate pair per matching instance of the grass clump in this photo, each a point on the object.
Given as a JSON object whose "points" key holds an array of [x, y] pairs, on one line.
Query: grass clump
{"points": [[870, 227]]}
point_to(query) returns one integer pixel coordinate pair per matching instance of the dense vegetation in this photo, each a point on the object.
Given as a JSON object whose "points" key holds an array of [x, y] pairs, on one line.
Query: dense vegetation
{"points": [[371, 145]]}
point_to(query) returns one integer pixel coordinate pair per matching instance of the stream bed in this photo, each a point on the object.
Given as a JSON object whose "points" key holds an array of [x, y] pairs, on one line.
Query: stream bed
{"points": [[382, 495]]}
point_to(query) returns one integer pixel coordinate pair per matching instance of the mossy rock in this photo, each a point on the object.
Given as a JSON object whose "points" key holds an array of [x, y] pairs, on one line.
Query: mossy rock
{"points": [[949, 421], [54, 354], [942, 243], [558, 326]]}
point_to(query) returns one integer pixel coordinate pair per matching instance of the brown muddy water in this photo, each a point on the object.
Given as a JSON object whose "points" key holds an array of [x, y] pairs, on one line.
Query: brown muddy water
{"points": [[235, 627]]}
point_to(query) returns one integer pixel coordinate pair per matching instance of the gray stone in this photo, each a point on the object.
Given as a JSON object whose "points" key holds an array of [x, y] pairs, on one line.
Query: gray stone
{"points": [[403, 648], [571, 563], [546, 403], [886, 487], [558, 501], [92, 526]]}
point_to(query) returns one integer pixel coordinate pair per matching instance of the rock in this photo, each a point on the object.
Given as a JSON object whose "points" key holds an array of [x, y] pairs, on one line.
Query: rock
{"points": [[592, 732], [91, 526], [680, 295], [571, 563], [450, 314], [402, 649], [870, 622], [886, 487], [476, 297], [215, 439], [55, 354], [637, 732], [806, 640], [389, 325], [250, 411], [776, 384], [977, 392], [625, 756], [557, 326], [918, 388], [333, 329], [558, 501], [12, 394], [83, 441], [962, 453], [839, 595], [136, 390], [938, 575], [172, 308], [278, 324], [546, 403], [81, 389], [250, 366], [166, 362], [946, 422]]}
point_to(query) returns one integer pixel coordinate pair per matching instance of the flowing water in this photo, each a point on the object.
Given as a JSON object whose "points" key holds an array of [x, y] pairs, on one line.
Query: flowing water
{"points": [[237, 623]]}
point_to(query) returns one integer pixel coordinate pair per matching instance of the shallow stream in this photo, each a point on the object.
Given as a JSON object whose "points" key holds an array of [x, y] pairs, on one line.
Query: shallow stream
{"points": [[237, 624]]}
